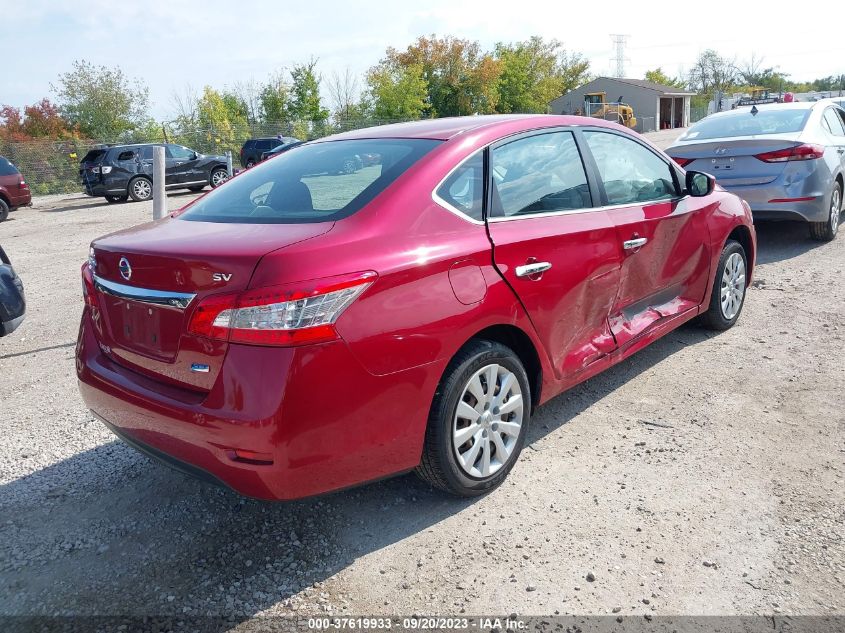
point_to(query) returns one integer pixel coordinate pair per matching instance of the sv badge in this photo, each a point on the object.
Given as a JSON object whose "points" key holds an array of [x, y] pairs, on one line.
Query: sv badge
{"points": [[221, 277]]}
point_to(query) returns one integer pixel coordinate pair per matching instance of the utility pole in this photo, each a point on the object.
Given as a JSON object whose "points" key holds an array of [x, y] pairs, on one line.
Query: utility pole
{"points": [[619, 40]]}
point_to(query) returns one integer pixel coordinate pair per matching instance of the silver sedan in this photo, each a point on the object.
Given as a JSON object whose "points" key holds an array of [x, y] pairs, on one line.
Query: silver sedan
{"points": [[786, 160]]}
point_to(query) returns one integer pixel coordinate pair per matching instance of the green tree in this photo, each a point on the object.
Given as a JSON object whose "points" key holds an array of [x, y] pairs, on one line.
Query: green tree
{"points": [[222, 118], [395, 91], [536, 71], [659, 77], [460, 78], [102, 101], [305, 103], [712, 72], [274, 98]]}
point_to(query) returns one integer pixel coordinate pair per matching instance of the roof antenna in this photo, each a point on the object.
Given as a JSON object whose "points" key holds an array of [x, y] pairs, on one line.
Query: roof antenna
{"points": [[754, 110]]}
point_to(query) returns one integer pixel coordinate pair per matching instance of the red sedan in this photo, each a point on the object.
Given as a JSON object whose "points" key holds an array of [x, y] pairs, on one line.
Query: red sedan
{"points": [[301, 330]]}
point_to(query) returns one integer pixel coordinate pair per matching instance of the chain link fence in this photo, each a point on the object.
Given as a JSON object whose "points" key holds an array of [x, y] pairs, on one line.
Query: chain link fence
{"points": [[52, 166]]}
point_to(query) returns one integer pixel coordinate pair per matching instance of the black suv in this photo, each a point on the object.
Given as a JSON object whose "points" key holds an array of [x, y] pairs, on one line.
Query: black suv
{"points": [[254, 148], [126, 171]]}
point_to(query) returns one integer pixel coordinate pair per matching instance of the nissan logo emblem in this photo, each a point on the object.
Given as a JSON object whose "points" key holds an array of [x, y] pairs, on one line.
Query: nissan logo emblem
{"points": [[125, 268]]}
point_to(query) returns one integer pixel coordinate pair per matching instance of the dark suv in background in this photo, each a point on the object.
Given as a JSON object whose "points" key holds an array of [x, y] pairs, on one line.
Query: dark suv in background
{"points": [[126, 171], [14, 192], [253, 150]]}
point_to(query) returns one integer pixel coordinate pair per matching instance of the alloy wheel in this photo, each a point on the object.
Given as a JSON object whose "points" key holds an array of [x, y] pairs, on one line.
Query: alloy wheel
{"points": [[835, 209], [219, 177], [142, 189], [488, 421], [733, 286]]}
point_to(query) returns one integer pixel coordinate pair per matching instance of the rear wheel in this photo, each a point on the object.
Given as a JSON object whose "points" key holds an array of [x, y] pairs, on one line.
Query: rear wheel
{"points": [[826, 231], [250, 163], [478, 420], [219, 175], [141, 189], [4, 210], [729, 286], [116, 199]]}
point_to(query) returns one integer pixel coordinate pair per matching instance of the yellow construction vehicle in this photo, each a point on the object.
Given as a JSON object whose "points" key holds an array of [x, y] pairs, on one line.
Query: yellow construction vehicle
{"points": [[596, 105]]}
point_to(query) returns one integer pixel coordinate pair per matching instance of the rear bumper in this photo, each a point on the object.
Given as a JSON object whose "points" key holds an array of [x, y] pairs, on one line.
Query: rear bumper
{"points": [[806, 199], [323, 420]]}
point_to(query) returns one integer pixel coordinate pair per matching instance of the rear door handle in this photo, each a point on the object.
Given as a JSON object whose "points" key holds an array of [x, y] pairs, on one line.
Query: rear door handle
{"points": [[630, 245], [534, 268]]}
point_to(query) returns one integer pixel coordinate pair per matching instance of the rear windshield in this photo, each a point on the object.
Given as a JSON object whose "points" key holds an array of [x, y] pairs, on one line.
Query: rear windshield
{"points": [[94, 155], [6, 167], [319, 182], [742, 123]]}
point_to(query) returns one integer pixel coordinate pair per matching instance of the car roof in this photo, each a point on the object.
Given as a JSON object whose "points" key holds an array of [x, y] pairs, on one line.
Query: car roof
{"points": [[450, 127]]}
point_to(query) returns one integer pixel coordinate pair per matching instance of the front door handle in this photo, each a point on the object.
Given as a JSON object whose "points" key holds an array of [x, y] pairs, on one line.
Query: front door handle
{"points": [[634, 244], [534, 268]]}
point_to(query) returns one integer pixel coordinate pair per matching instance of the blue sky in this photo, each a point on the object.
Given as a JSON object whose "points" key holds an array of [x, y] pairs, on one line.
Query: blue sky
{"points": [[171, 44]]}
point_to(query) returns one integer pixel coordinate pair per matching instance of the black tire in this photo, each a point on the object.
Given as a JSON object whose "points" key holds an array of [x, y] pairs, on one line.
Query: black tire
{"points": [[439, 464], [221, 172], [116, 199], [195, 189], [715, 317], [4, 210], [827, 230], [249, 163], [141, 189]]}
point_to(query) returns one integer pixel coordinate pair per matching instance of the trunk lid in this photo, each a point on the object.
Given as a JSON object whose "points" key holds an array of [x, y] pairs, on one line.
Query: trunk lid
{"points": [[732, 160], [150, 278]]}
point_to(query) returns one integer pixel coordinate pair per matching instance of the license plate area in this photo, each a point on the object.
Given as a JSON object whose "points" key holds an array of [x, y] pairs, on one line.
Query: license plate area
{"points": [[147, 329], [722, 164]]}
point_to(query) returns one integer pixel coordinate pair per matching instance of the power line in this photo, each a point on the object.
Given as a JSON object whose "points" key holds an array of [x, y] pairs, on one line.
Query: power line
{"points": [[619, 58]]}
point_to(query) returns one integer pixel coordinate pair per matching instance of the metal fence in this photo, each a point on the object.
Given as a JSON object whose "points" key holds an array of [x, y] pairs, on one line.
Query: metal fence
{"points": [[52, 166], [696, 114]]}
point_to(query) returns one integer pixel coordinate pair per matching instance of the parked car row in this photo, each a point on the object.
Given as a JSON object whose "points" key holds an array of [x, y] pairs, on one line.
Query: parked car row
{"points": [[302, 329], [120, 172]]}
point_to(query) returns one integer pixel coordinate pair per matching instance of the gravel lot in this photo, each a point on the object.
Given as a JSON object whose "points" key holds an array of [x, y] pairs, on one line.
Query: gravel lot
{"points": [[702, 476]]}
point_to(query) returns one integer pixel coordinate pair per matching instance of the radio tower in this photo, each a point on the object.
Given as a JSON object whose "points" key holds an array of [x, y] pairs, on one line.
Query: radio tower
{"points": [[619, 56]]}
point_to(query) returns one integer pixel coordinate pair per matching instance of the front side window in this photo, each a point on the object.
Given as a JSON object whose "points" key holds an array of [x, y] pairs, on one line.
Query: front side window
{"points": [[464, 188], [630, 172], [538, 174], [180, 153], [317, 182]]}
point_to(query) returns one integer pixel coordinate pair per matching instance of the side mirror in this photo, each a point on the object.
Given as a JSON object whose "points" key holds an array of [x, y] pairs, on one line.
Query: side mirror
{"points": [[700, 184], [195, 156]]}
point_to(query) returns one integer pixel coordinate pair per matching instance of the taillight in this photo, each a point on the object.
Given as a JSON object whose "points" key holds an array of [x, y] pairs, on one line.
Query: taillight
{"points": [[683, 162], [88, 285], [278, 315], [806, 151], [22, 184]]}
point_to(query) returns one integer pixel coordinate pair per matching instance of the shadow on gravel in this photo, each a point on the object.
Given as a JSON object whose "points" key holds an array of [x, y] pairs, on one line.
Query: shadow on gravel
{"points": [[778, 241], [108, 532]]}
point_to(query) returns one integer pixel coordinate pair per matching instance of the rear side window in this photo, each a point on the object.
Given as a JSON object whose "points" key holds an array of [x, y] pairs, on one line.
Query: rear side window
{"points": [[319, 182], [834, 122], [126, 155], [7, 168], [463, 190], [742, 122], [538, 174], [630, 172]]}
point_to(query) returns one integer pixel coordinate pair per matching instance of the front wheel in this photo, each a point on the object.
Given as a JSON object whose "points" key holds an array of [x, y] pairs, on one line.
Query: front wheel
{"points": [[478, 420], [729, 286], [826, 231], [219, 176], [4, 210]]}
